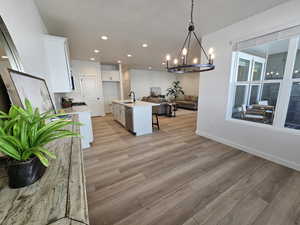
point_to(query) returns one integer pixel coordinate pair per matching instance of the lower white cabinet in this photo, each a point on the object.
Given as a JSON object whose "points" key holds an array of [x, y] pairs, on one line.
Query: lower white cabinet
{"points": [[86, 130], [118, 112], [136, 117]]}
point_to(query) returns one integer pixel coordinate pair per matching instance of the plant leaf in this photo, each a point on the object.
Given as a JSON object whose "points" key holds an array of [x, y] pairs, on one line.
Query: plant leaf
{"points": [[42, 158], [9, 150], [46, 152]]}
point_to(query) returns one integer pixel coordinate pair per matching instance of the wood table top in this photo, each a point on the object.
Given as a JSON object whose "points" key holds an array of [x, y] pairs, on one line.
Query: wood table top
{"points": [[59, 197]]}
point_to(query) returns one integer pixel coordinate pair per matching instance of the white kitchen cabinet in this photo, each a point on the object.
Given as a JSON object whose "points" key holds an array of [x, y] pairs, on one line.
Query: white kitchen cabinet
{"points": [[57, 52], [118, 112], [86, 130], [113, 75], [139, 116]]}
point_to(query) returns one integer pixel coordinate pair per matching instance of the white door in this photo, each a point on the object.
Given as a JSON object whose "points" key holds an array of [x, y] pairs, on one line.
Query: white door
{"points": [[92, 94]]}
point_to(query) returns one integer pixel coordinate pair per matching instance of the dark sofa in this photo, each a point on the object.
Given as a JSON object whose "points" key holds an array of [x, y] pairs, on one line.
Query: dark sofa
{"points": [[187, 102], [161, 109]]}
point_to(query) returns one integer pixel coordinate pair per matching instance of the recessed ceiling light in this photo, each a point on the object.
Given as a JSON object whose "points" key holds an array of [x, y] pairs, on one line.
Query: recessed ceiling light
{"points": [[145, 45], [93, 59], [150, 67], [129, 55], [4, 57], [96, 51], [104, 37], [119, 61]]}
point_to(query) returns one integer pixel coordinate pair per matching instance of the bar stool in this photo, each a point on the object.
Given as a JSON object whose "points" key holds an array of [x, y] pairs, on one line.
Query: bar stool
{"points": [[155, 114]]}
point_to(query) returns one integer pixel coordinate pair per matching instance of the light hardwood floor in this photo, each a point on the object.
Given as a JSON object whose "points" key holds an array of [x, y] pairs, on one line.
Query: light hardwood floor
{"points": [[175, 177]]}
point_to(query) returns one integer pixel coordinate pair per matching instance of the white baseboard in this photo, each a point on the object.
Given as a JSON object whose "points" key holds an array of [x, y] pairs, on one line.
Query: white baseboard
{"points": [[252, 151]]}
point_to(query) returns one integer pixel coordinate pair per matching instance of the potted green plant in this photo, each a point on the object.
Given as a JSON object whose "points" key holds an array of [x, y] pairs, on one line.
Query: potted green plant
{"points": [[23, 136], [175, 90]]}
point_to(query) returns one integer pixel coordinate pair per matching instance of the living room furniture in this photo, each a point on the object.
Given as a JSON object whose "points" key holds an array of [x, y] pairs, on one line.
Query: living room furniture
{"points": [[155, 114], [160, 100], [156, 123], [171, 109], [187, 102], [258, 113]]}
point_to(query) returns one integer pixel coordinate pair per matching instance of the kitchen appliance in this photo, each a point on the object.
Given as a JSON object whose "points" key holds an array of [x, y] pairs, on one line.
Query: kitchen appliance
{"points": [[129, 119]]}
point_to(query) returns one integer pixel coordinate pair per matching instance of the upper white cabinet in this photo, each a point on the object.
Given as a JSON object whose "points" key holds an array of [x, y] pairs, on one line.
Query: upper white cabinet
{"points": [[57, 51], [113, 75]]}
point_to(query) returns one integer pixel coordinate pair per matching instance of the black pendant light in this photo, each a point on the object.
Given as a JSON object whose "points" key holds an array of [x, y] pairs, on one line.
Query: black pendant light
{"points": [[184, 63]]}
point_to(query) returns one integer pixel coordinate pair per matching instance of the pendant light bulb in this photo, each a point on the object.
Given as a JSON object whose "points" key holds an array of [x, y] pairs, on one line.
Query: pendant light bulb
{"points": [[184, 51], [211, 51], [195, 60], [175, 61], [212, 56], [168, 57]]}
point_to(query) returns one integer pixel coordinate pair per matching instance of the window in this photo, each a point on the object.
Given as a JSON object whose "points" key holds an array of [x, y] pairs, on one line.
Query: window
{"points": [[293, 112], [261, 74]]}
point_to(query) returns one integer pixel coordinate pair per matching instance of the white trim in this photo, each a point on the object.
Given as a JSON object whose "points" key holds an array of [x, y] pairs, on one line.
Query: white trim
{"points": [[279, 33], [266, 126], [231, 95], [252, 151], [286, 89]]}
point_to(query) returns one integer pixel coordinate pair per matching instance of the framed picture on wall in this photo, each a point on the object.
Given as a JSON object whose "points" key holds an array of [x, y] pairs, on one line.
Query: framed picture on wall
{"points": [[21, 86]]}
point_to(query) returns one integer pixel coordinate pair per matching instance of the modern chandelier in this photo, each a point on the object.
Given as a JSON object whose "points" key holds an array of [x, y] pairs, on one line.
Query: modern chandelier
{"points": [[184, 63]]}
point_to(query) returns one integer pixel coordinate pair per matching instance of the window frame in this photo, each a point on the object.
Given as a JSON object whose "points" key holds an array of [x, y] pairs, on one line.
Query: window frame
{"points": [[284, 93]]}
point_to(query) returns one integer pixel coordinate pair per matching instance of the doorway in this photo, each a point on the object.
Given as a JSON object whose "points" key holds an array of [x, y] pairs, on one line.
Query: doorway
{"points": [[90, 90], [111, 91]]}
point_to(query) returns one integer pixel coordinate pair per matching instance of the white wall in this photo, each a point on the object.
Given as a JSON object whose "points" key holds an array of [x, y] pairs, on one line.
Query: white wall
{"points": [[189, 83], [277, 145], [26, 29], [143, 80]]}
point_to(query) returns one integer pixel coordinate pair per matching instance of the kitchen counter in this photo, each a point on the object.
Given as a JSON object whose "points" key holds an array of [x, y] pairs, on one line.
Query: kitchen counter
{"points": [[86, 130], [135, 104], [58, 198], [75, 109], [135, 117]]}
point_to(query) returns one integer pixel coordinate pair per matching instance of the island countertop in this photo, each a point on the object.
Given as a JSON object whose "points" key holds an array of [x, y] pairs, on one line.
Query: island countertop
{"points": [[58, 198], [135, 104]]}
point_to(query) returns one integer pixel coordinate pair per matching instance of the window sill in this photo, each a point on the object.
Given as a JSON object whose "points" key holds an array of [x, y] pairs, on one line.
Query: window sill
{"points": [[265, 126]]}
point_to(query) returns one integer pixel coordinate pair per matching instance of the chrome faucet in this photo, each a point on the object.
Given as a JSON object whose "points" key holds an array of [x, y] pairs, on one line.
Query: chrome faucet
{"points": [[132, 93]]}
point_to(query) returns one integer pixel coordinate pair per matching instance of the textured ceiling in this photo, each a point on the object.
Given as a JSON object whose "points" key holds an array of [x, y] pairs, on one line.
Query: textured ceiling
{"points": [[128, 24]]}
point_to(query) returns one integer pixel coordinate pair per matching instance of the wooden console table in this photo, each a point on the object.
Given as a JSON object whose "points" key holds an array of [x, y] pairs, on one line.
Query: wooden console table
{"points": [[58, 198]]}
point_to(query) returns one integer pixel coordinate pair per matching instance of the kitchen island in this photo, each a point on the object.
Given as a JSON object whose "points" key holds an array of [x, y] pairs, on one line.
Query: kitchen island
{"points": [[58, 198], [134, 116]]}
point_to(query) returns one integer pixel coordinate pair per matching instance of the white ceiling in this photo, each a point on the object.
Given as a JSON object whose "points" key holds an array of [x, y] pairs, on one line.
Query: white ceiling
{"points": [[128, 24]]}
